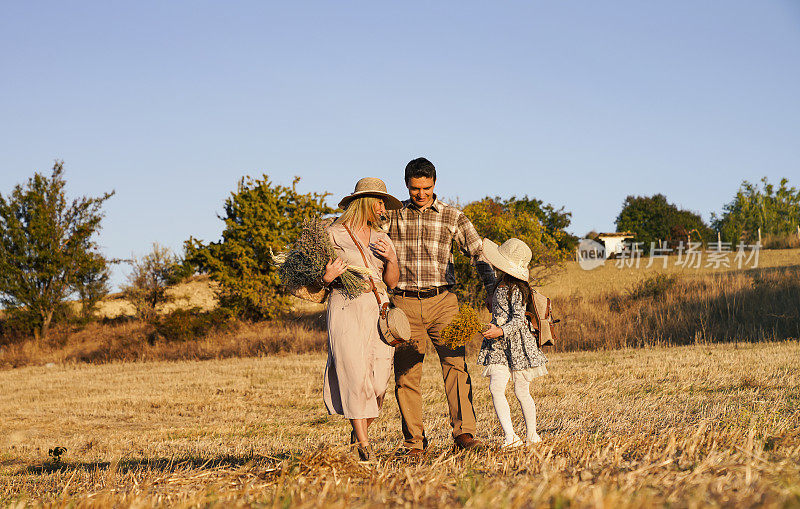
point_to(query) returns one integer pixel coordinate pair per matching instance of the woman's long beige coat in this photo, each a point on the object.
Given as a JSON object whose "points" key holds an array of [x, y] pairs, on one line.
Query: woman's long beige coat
{"points": [[359, 363]]}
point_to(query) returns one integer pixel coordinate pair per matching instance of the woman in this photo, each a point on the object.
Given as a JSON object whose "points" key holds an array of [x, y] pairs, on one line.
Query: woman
{"points": [[359, 363]]}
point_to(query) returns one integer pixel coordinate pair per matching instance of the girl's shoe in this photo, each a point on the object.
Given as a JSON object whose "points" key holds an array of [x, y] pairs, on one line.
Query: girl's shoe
{"points": [[511, 442], [535, 439]]}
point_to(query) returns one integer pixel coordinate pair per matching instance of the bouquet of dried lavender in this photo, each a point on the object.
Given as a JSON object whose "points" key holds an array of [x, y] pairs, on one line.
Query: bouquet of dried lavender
{"points": [[303, 264], [464, 327]]}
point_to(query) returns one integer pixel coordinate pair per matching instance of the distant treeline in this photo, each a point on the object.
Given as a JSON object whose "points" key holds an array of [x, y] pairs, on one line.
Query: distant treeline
{"points": [[49, 252], [756, 213]]}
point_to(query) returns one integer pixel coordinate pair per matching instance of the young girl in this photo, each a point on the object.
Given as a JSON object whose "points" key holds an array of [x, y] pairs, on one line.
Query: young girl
{"points": [[509, 349]]}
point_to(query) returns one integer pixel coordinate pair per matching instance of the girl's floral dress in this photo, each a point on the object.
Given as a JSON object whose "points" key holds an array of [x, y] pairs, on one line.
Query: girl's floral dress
{"points": [[516, 349]]}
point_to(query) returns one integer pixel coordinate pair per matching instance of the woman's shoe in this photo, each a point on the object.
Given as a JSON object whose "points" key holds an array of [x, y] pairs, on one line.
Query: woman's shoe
{"points": [[535, 439], [511, 442], [364, 452]]}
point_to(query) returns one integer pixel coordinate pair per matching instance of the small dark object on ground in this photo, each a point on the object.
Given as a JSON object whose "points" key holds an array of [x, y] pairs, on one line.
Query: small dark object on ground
{"points": [[56, 453]]}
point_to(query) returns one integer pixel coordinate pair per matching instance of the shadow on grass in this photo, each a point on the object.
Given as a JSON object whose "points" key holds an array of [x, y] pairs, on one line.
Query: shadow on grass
{"points": [[343, 458], [160, 465], [751, 305], [768, 309]]}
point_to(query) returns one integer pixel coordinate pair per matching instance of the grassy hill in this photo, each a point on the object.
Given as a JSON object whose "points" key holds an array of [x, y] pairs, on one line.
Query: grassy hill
{"points": [[198, 291]]}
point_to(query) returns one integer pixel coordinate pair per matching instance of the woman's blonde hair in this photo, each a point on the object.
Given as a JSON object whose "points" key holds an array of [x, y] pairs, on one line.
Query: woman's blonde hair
{"points": [[359, 212]]}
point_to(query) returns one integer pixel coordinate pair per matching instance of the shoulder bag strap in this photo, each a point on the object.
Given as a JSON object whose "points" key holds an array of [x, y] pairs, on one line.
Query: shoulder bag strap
{"points": [[381, 306], [535, 319]]}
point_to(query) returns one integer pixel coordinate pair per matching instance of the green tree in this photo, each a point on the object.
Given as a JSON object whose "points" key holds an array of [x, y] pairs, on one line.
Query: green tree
{"points": [[775, 211], [47, 248], [92, 283], [260, 218], [500, 220], [653, 218], [555, 221]]}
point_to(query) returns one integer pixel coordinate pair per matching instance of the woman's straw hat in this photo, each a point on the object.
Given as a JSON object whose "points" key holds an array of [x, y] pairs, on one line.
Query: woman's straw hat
{"points": [[512, 257], [371, 186]]}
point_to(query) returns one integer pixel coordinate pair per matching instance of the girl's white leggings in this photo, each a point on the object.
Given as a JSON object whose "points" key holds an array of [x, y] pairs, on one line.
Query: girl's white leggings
{"points": [[497, 387]]}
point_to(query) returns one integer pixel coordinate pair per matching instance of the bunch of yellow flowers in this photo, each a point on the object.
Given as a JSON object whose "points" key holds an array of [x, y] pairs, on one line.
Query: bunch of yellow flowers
{"points": [[464, 327]]}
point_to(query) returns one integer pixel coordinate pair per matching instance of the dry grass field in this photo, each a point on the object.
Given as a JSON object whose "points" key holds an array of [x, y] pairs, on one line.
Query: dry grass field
{"points": [[612, 307], [693, 426]]}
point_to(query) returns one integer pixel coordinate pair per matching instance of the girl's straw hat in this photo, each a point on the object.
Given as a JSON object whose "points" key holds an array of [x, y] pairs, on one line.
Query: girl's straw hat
{"points": [[512, 257], [371, 186]]}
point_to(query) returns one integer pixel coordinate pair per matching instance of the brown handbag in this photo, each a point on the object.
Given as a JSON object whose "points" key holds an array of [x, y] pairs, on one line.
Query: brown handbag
{"points": [[393, 323], [540, 320]]}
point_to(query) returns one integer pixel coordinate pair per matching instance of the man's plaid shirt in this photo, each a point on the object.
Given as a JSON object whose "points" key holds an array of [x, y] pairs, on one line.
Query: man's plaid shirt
{"points": [[424, 239]]}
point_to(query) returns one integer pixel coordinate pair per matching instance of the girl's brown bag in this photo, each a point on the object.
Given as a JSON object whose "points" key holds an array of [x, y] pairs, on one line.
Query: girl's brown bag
{"points": [[540, 320]]}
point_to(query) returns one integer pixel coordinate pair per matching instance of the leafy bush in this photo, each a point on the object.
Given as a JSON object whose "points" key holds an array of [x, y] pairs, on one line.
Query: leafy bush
{"points": [[190, 324], [10, 332], [500, 220], [260, 219], [653, 286], [180, 271]]}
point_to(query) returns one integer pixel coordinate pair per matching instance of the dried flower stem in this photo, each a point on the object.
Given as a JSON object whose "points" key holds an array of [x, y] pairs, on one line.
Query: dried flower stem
{"points": [[303, 264]]}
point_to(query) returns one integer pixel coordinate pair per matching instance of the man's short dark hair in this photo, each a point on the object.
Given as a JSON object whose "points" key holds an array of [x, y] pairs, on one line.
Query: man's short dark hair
{"points": [[420, 167]]}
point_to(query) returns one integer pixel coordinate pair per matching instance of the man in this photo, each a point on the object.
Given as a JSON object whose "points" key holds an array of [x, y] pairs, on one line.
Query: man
{"points": [[423, 231]]}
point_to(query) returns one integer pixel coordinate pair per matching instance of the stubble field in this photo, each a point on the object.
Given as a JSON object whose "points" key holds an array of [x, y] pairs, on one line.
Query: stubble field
{"points": [[701, 425]]}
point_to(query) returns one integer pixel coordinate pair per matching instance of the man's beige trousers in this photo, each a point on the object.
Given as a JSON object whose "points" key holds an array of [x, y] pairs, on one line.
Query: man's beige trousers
{"points": [[428, 317]]}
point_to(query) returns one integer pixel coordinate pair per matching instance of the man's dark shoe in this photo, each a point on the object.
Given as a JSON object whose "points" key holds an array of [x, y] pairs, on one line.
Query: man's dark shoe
{"points": [[406, 451], [466, 442]]}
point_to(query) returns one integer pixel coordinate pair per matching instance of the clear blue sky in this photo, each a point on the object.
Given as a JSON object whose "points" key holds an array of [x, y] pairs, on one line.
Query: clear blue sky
{"points": [[578, 103]]}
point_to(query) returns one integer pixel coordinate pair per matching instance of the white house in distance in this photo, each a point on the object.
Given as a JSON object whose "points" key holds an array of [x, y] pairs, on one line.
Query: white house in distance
{"points": [[614, 242]]}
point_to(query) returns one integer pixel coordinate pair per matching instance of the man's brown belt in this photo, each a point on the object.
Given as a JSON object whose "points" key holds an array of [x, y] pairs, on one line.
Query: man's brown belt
{"points": [[421, 294]]}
